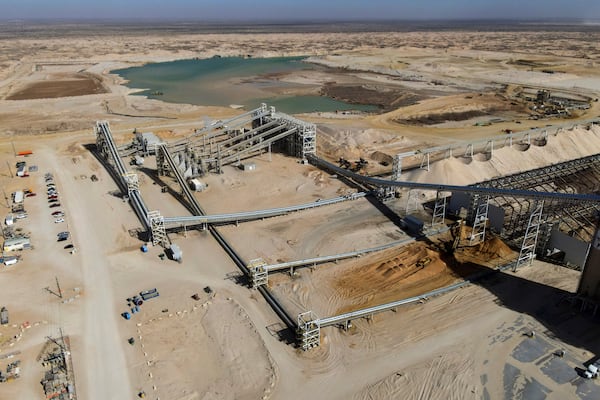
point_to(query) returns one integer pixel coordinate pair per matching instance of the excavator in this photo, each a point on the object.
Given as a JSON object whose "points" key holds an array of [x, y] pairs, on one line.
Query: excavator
{"points": [[358, 165]]}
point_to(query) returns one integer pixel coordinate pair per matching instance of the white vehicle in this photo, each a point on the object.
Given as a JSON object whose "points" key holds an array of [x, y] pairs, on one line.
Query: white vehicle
{"points": [[592, 371], [10, 261], [59, 220]]}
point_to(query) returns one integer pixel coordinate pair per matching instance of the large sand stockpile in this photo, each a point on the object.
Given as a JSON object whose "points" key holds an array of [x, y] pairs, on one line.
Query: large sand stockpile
{"points": [[566, 145]]}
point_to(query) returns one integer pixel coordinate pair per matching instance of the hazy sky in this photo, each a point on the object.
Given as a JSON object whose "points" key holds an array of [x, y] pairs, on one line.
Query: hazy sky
{"points": [[301, 9]]}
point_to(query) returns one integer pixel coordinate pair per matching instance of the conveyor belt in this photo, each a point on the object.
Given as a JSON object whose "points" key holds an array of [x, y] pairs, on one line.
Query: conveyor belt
{"points": [[269, 297], [252, 215], [488, 191], [135, 198], [334, 257], [365, 312]]}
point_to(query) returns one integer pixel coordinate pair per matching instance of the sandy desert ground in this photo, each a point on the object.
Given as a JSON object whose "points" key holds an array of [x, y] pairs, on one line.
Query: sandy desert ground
{"points": [[469, 344]]}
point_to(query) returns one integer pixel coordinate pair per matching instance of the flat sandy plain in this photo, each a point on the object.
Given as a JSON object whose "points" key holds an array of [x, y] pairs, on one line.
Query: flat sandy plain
{"points": [[465, 345]]}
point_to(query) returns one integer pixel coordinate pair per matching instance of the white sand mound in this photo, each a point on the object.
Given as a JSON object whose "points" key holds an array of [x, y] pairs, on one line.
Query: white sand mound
{"points": [[566, 145]]}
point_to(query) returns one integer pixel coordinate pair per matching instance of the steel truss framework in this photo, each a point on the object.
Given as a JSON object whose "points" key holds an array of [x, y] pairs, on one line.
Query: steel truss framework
{"points": [[309, 330], [133, 184], [229, 142], [480, 221], [127, 182], [258, 273], [576, 218], [528, 248], [439, 210], [157, 227]]}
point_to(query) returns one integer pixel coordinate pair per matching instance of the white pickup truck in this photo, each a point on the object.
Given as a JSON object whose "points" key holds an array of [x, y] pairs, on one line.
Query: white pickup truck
{"points": [[592, 370]]}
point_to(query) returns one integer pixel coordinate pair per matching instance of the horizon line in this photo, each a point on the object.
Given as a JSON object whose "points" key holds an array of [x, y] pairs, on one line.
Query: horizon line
{"points": [[310, 21]]}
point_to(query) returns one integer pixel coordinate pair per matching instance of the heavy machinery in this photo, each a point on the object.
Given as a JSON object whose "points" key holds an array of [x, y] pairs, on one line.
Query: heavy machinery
{"points": [[423, 262], [358, 165]]}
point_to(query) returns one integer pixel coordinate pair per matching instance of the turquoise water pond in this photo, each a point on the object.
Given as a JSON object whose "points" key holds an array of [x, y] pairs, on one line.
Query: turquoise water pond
{"points": [[229, 80]]}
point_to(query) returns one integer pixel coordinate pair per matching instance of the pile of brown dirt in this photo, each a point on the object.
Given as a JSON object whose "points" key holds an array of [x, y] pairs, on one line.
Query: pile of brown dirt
{"points": [[384, 97], [432, 119], [77, 85], [492, 250]]}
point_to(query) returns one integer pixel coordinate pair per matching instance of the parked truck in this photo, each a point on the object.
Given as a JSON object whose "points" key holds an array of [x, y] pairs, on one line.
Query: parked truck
{"points": [[592, 370]]}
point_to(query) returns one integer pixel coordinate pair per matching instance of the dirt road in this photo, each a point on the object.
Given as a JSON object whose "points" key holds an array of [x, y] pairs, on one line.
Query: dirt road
{"points": [[100, 367]]}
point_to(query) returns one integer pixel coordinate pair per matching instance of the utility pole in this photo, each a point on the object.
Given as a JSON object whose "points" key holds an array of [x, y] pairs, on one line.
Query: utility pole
{"points": [[9, 170], [59, 294], [13, 147], [59, 291], [5, 198]]}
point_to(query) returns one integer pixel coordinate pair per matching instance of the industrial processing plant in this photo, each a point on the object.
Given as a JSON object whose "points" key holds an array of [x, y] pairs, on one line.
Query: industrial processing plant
{"points": [[282, 211]]}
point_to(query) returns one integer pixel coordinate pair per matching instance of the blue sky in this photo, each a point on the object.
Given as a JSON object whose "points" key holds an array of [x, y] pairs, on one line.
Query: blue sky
{"points": [[301, 9]]}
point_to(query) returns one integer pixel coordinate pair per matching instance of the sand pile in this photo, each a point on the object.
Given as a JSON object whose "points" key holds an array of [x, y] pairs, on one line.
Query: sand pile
{"points": [[492, 252], [354, 143], [565, 146], [393, 275]]}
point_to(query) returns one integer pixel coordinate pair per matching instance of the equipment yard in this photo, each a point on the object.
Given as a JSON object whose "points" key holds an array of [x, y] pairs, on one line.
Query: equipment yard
{"points": [[430, 250]]}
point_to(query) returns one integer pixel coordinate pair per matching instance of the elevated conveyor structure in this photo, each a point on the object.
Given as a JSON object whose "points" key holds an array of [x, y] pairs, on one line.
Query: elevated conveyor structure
{"points": [[423, 157], [259, 270], [192, 202], [197, 211], [574, 176], [308, 329], [487, 191], [299, 139], [203, 220], [106, 147], [217, 128]]}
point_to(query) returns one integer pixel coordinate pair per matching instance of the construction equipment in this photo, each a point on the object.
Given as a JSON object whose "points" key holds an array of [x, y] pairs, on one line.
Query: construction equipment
{"points": [[423, 262]]}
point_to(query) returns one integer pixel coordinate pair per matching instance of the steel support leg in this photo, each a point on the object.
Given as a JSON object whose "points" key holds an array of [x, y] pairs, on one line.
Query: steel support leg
{"points": [[527, 253], [439, 211], [480, 222], [157, 227], [309, 330]]}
